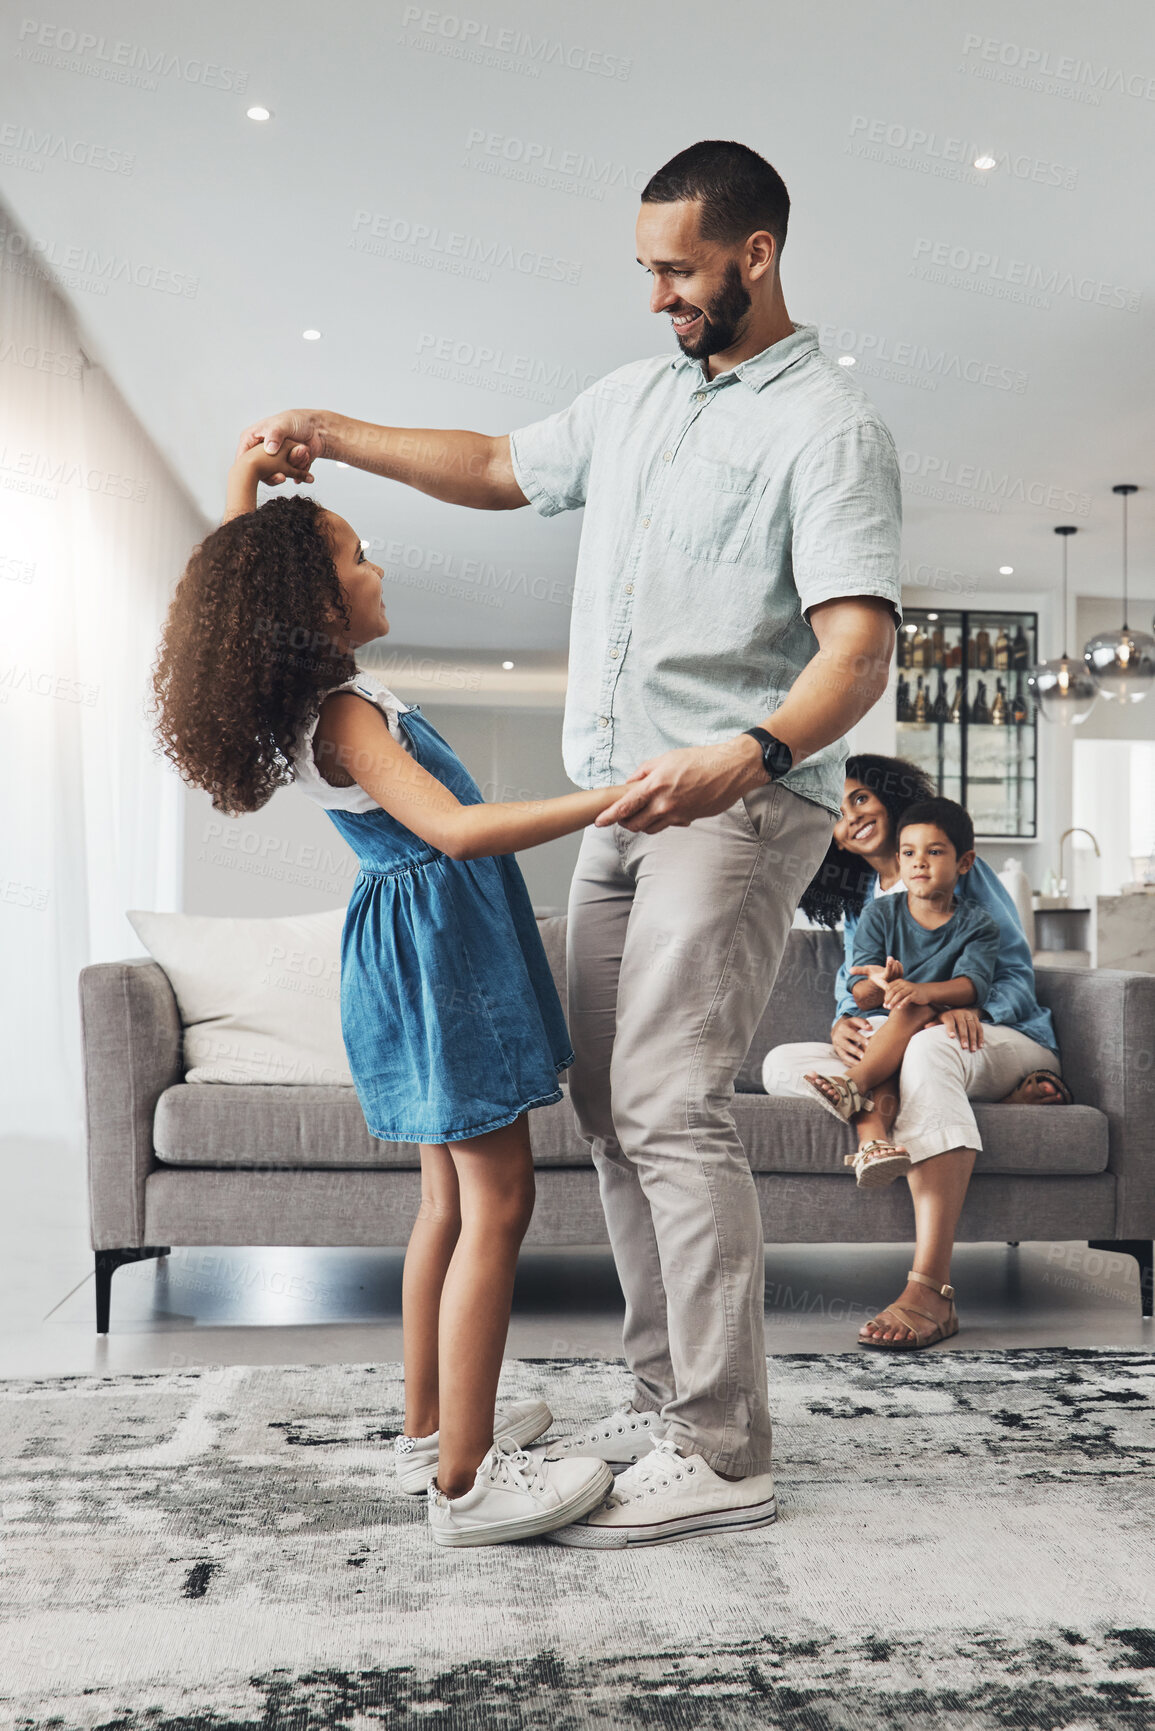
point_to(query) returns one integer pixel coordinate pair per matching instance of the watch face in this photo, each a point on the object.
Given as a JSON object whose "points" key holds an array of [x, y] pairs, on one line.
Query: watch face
{"points": [[777, 758]]}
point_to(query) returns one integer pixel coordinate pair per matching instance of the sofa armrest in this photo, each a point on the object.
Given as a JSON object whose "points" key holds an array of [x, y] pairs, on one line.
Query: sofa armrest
{"points": [[1105, 1023], [133, 1051]]}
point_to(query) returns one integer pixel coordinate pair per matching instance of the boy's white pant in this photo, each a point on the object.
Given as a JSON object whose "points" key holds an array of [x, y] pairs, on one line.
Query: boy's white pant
{"points": [[937, 1082]]}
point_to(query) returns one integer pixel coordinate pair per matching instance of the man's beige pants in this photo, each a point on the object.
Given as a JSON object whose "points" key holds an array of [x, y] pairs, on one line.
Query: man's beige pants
{"points": [[673, 947]]}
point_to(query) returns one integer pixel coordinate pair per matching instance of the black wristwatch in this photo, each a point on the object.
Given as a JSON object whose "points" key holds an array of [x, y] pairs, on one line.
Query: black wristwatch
{"points": [[777, 758]]}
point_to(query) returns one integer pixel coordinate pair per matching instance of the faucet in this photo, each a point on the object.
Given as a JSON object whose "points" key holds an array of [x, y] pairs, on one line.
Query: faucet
{"points": [[1076, 829]]}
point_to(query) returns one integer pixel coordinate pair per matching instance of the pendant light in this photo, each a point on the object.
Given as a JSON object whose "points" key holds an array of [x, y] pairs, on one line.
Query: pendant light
{"points": [[1063, 689], [1122, 663]]}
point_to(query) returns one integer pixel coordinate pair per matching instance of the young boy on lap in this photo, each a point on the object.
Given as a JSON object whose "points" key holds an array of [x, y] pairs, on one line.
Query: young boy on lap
{"points": [[919, 951]]}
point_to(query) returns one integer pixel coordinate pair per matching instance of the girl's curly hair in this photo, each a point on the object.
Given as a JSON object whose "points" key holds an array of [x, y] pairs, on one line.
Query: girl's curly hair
{"points": [[247, 652], [843, 881]]}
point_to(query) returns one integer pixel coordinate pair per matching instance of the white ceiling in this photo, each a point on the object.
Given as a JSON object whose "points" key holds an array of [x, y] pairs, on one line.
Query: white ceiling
{"points": [[374, 114]]}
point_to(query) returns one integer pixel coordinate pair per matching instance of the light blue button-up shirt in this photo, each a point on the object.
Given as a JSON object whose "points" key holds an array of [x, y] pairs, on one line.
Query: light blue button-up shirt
{"points": [[718, 512]]}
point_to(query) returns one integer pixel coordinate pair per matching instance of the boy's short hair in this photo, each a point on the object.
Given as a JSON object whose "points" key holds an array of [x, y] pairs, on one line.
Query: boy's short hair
{"points": [[946, 814]]}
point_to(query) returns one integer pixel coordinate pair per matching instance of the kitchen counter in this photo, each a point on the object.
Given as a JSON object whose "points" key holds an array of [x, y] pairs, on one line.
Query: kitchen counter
{"points": [[1125, 927]]}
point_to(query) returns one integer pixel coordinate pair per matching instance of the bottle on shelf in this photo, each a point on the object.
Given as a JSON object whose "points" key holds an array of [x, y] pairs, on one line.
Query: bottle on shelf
{"points": [[1019, 704], [999, 706], [1002, 651], [940, 708], [982, 651], [906, 647], [958, 702], [954, 654], [920, 648], [938, 646], [902, 705], [1020, 650], [920, 701], [980, 708]]}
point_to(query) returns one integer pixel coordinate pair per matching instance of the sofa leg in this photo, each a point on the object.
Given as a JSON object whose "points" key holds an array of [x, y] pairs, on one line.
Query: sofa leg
{"points": [[107, 1262], [1143, 1250]]}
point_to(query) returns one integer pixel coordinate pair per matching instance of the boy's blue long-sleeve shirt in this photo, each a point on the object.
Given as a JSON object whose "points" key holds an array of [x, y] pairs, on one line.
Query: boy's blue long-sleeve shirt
{"points": [[966, 946], [1011, 1001]]}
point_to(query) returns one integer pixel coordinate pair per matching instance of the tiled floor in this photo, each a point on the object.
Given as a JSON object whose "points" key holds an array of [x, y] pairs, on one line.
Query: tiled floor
{"points": [[268, 1306]]}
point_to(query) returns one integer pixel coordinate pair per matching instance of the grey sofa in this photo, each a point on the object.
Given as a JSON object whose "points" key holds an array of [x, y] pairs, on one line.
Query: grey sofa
{"points": [[171, 1162]]}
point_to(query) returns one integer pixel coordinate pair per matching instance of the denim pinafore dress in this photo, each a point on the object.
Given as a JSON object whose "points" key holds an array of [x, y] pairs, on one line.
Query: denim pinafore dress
{"points": [[450, 1017]]}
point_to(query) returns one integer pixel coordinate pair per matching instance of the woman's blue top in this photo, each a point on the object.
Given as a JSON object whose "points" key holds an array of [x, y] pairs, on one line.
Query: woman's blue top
{"points": [[1011, 1001]]}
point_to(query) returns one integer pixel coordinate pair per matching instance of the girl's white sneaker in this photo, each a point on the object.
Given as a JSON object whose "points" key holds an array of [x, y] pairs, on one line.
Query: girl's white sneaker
{"points": [[516, 1497], [514, 1426]]}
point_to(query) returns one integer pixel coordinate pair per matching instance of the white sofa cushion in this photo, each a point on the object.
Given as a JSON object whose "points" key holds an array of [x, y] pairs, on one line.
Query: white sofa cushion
{"points": [[259, 1000]]}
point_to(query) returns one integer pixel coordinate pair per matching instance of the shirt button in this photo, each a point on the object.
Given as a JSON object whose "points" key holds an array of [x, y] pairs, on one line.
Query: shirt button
{"points": [[614, 654], [699, 396], [645, 522], [667, 456], [603, 720], [629, 588]]}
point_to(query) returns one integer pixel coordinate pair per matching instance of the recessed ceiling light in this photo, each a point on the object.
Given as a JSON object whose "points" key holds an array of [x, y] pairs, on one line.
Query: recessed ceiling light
{"points": [[847, 361], [311, 336], [985, 163], [1006, 570], [507, 666], [258, 113], [932, 615]]}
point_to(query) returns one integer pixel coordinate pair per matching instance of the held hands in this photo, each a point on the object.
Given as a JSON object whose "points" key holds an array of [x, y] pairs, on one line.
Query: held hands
{"points": [[673, 789], [293, 435], [258, 464]]}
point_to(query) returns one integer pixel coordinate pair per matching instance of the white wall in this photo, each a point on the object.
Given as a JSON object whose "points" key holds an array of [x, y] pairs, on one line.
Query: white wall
{"points": [[94, 529], [290, 858]]}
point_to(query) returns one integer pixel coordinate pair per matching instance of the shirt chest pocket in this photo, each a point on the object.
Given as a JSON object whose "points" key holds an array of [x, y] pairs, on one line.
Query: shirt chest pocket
{"points": [[710, 509]]}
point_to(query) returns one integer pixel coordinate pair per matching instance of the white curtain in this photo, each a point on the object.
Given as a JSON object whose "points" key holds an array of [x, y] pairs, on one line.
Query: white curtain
{"points": [[95, 528]]}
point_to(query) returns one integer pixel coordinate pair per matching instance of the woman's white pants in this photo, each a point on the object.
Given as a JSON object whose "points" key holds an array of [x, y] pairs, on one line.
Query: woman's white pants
{"points": [[937, 1082]]}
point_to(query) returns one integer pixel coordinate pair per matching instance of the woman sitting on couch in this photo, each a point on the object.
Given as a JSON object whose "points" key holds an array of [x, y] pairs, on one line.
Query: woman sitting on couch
{"points": [[1008, 1054]]}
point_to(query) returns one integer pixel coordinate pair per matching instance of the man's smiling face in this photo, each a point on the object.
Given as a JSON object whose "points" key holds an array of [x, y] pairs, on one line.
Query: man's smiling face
{"points": [[697, 283]]}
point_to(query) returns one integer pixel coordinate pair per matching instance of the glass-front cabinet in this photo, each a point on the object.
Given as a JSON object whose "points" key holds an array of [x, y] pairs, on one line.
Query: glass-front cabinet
{"points": [[965, 715]]}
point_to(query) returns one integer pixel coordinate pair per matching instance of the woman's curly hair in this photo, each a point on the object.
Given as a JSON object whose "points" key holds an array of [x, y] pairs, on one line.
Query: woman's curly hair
{"points": [[843, 881], [247, 652]]}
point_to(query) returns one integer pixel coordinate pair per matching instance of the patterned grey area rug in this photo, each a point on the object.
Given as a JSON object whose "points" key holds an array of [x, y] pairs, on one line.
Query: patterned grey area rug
{"points": [[967, 1542]]}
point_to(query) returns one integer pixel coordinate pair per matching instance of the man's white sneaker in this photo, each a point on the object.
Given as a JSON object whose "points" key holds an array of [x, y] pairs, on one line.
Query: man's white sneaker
{"points": [[621, 1438], [516, 1497], [667, 1496], [515, 1425]]}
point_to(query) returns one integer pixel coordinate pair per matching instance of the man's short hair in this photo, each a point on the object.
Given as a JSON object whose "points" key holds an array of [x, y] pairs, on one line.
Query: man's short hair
{"points": [[953, 819], [738, 190]]}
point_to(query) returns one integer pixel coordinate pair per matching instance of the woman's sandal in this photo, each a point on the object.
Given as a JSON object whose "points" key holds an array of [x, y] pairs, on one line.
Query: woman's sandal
{"points": [[1066, 1098], [904, 1316], [850, 1097], [878, 1162]]}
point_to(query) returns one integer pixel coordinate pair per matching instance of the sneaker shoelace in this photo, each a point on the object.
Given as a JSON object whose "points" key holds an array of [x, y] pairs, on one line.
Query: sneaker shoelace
{"points": [[655, 1471], [510, 1466], [514, 1467], [622, 1419]]}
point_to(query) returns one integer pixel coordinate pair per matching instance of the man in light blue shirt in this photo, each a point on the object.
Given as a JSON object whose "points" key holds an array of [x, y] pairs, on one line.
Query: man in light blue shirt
{"points": [[718, 512], [735, 606]]}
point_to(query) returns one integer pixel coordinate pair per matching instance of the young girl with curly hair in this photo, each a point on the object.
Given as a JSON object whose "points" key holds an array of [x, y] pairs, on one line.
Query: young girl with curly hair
{"points": [[449, 1014]]}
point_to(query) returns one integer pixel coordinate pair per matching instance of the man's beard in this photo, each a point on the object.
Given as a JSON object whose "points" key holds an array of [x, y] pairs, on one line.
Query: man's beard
{"points": [[721, 320]]}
